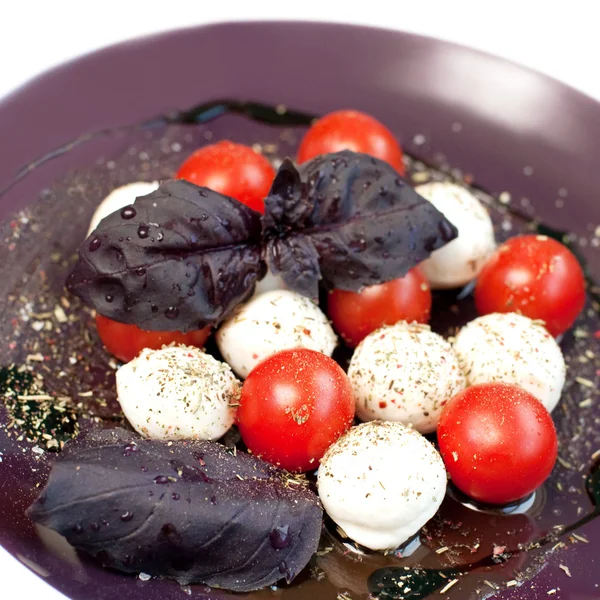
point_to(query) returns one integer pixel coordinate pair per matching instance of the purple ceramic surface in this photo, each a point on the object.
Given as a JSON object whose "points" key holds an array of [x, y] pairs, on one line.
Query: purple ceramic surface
{"points": [[512, 130]]}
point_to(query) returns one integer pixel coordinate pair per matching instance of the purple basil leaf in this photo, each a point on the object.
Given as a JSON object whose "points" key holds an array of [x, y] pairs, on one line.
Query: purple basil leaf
{"points": [[191, 511], [353, 221], [179, 258]]}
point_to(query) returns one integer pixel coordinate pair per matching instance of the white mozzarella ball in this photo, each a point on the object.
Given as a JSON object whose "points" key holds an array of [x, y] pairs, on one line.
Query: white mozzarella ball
{"points": [[381, 482], [273, 321], [513, 349], [178, 392], [462, 259], [119, 198], [404, 372], [269, 283]]}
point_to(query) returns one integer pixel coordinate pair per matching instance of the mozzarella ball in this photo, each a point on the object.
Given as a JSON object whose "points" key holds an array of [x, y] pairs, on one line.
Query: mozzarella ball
{"points": [[119, 198], [273, 321], [513, 349], [178, 392], [462, 259], [269, 283], [381, 482], [404, 372]]}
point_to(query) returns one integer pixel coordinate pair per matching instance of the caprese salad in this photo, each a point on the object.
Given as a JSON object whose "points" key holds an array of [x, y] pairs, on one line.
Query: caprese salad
{"points": [[276, 265]]}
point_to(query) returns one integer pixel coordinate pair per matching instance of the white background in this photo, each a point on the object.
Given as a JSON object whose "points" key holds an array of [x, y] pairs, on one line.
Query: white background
{"points": [[558, 38]]}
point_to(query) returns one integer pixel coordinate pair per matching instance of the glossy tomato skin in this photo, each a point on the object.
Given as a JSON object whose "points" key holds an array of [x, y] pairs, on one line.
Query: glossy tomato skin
{"points": [[356, 314], [498, 442], [294, 405], [231, 169], [536, 276], [125, 342], [351, 130]]}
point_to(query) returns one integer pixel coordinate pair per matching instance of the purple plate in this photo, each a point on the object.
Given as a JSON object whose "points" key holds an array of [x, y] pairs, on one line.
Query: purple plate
{"points": [[509, 129]]}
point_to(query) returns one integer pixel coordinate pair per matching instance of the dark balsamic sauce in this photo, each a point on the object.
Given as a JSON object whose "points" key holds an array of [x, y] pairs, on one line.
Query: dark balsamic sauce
{"points": [[390, 581]]}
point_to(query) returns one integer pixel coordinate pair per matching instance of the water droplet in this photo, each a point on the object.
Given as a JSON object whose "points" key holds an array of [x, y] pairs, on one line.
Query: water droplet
{"points": [[127, 516], [283, 568], [213, 499], [109, 298], [128, 212], [191, 292], [280, 537], [160, 236], [78, 528], [203, 193], [94, 527], [175, 496], [95, 244], [119, 256], [200, 458], [140, 271], [131, 447], [161, 479], [143, 231], [359, 244], [172, 312]]}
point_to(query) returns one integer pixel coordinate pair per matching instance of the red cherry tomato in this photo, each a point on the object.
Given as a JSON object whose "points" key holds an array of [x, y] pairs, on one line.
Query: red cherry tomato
{"points": [[351, 130], [356, 314], [231, 169], [294, 405], [127, 341], [535, 276], [498, 442]]}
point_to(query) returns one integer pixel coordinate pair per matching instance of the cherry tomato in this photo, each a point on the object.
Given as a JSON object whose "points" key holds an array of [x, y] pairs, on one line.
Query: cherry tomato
{"points": [[498, 442], [231, 169], [356, 314], [127, 341], [351, 130], [535, 276], [294, 405]]}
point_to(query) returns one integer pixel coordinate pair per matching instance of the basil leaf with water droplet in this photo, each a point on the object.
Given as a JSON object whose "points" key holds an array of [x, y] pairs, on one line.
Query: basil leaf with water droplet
{"points": [[349, 220], [191, 511], [179, 258]]}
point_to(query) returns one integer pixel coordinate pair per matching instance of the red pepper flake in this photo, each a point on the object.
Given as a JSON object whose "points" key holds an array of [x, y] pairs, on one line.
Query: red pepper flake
{"points": [[597, 334], [306, 331], [255, 356], [383, 404]]}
